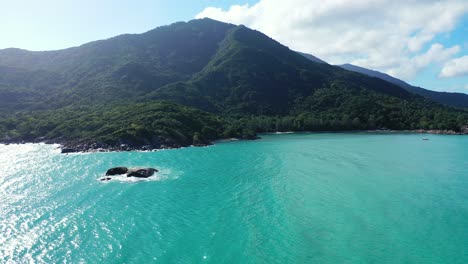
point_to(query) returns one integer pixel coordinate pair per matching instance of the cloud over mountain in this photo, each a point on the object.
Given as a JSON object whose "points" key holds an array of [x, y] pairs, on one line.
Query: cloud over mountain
{"points": [[455, 68], [392, 36]]}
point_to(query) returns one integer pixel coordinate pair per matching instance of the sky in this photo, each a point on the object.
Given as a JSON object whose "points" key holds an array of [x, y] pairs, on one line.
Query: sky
{"points": [[424, 42]]}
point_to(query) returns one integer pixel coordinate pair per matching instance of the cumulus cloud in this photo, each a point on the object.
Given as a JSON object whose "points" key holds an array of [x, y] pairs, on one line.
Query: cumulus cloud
{"points": [[410, 66], [391, 36], [455, 68]]}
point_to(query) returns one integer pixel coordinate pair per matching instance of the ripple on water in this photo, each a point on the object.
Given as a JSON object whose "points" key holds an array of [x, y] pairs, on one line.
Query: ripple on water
{"points": [[318, 198]]}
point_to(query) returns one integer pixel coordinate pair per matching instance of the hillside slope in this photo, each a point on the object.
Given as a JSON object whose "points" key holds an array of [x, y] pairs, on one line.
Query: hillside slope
{"points": [[115, 69], [222, 81]]}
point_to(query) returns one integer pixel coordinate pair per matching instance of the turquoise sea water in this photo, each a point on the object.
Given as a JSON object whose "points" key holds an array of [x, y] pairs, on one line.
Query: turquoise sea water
{"points": [[299, 198]]}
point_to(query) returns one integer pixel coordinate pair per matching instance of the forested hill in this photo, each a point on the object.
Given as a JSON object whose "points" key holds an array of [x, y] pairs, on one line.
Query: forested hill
{"points": [[111, 70], [193, 82]]}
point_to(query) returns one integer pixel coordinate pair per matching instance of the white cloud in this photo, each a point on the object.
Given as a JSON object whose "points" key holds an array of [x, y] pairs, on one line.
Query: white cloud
{"points": [[456, 67], [409, 67], [385, 35]]}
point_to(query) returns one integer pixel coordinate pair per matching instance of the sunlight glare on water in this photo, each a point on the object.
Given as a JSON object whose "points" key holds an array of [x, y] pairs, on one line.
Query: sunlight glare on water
{"points": [[299, 198]]}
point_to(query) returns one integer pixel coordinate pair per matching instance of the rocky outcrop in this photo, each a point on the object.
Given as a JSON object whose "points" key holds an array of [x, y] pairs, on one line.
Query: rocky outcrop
{"points": [[68, 150], [121, 145], [116, 171], [141, 172], [155, 143], [135, 172]]}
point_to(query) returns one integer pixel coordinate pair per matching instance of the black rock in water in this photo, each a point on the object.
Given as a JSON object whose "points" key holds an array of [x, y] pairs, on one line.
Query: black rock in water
{"points": [[116, 171], [141, 173], [105, 179]]}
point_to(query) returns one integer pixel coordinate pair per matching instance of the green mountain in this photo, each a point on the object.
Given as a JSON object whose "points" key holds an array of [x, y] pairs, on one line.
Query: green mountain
{"points": [[111, 70], [191, 83]]}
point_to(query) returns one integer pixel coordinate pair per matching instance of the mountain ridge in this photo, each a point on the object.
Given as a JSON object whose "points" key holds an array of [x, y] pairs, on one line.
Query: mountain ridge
{"points": [[194, 82], [454, 99]]}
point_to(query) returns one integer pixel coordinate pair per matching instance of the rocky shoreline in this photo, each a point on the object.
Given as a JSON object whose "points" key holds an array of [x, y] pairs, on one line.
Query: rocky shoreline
{"points": [[85, 146], [71, 147], [383, 131], [464, 131], [74, 146]]}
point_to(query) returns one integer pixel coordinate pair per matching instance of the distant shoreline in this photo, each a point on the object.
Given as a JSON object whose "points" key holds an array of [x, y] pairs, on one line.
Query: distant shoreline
{"points": [[382, 131], [87, 147]]}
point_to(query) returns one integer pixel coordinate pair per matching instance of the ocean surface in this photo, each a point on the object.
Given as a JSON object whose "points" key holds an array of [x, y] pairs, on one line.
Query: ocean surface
{"points": [[296, 198]]}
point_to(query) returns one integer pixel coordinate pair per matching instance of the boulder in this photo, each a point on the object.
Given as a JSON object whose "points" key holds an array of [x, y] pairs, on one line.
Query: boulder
{"points": [[116, 171], [141, 172], [68, 150]]}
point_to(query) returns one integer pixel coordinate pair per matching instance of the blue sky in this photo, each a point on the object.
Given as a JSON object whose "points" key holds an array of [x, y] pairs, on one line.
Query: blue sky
{"points": [[423, 42], [429, 77], [56, 24]]}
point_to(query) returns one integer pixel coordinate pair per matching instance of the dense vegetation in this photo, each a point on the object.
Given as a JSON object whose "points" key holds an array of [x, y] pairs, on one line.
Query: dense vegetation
{"points": [[191, 83], [153, 124]]}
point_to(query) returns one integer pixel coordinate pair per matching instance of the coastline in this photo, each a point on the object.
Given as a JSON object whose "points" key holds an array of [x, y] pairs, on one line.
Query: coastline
{"points": [[382, 131], [89, 147]]}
